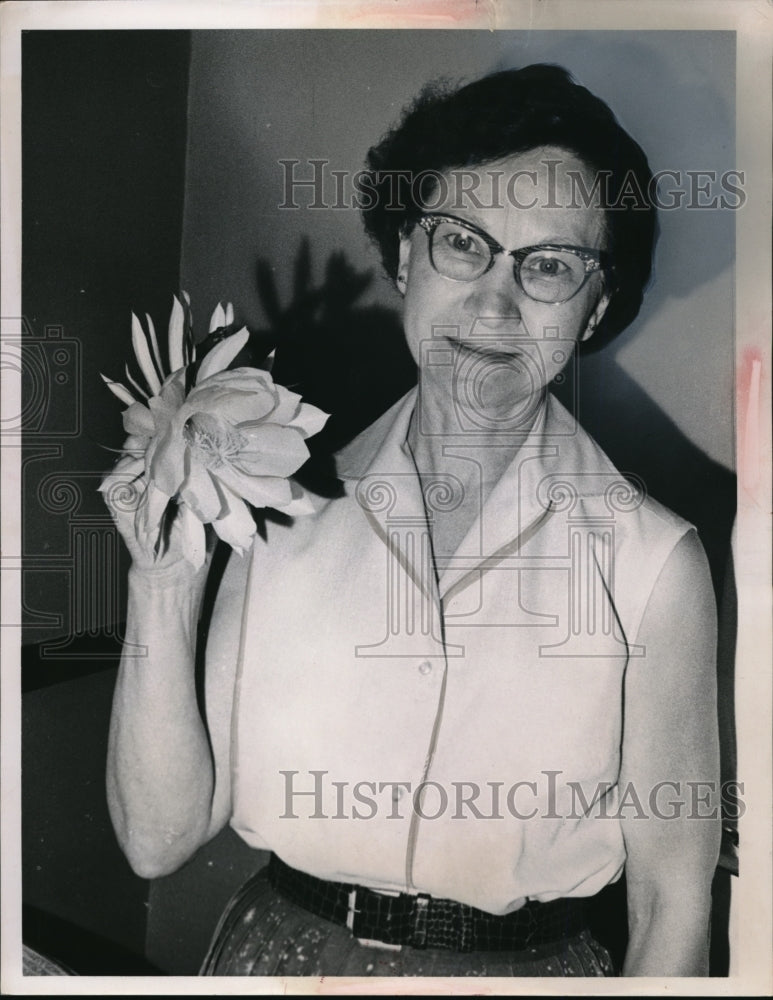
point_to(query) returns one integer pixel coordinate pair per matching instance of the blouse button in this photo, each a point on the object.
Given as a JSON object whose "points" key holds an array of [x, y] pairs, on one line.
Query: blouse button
{"points": [[425, 667]]}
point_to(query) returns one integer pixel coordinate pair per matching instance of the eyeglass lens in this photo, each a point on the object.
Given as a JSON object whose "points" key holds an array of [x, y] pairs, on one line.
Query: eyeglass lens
{"points": [[545, 275]]}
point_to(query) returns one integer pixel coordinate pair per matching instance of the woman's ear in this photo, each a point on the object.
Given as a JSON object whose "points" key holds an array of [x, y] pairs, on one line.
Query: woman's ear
{"points": [[403, 261], [596, 316]]}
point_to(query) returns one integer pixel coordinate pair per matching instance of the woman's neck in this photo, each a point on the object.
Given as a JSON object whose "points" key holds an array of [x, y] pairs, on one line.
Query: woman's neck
{"points": [[437, 435], [449, 412]]}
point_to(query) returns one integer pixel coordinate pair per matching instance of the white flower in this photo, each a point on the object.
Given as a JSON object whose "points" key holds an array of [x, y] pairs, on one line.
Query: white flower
{"points": [[235, 438]]}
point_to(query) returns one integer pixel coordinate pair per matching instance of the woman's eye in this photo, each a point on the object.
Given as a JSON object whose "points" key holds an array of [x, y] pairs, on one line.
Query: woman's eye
{"points": [[547, 267], [463, 242]]}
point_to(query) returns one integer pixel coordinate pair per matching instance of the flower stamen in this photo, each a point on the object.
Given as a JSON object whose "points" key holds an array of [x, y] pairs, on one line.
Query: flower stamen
{"points": [[216, 441]]}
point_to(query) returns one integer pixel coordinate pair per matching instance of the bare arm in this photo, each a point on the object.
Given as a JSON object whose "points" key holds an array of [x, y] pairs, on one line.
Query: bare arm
{"points": [[670, 735], [168, 770], [159, 769]]}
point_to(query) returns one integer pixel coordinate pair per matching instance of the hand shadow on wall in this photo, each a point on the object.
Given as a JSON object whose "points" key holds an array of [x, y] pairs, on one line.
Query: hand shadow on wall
{"points": [[348, 358]]}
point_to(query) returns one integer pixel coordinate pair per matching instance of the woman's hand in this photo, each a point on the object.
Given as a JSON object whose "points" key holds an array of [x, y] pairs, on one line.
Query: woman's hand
{"points": [[137, 508]]}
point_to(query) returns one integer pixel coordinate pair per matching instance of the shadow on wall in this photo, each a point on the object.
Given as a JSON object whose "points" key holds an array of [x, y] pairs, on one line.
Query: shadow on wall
{"points": [[348, 358]]}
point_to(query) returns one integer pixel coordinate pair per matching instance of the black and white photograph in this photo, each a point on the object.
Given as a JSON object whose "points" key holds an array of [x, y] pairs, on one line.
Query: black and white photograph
{"points": [[386, 490]]}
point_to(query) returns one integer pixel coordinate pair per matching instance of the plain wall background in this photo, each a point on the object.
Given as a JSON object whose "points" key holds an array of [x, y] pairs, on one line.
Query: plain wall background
{"points": [[103, 168], [103, 159]]}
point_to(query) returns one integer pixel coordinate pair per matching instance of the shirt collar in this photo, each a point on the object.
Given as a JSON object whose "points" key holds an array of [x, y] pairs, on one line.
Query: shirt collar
{"points": [[381, 447], [555, 466]]}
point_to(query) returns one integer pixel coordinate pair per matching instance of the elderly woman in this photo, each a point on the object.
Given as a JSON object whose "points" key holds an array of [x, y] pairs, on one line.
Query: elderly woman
{"points": [[462, 696]]}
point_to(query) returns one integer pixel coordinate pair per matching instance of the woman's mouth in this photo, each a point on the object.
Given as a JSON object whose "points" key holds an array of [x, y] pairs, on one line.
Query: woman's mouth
{"points": [[488, 347]]}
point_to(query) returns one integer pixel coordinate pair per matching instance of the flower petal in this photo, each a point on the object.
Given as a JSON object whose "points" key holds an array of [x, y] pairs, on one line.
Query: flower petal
{"points": [[150, 512], [144, 359], [165, 460], [243, 379], [271, 451], [139, 420], [173, 390], [300, 505], [135, 444], [201, 494], [287, 406], [189, 345], [222, 354], [193, 536], [249, 409], [237, 402], [217, 320], [125, 470], [310, 420], [118, 390], [176, 338], [260, 491], [133, 384], [169, 403], [154, 345], [237, 527]]}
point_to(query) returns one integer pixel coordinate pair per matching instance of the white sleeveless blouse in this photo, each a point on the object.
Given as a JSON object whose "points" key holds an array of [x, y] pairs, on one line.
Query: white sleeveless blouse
{"points": [[450, 727]]}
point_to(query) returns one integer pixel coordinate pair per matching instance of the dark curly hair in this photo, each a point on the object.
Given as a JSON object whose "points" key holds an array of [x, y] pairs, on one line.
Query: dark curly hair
{"points": [[500, 115]]}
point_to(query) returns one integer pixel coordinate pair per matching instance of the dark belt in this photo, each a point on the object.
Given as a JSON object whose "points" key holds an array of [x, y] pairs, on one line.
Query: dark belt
{"points": [[423, 921]]}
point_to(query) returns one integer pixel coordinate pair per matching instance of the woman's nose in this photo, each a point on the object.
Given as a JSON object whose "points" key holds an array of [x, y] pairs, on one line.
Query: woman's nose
{"points": [[494, 297]]}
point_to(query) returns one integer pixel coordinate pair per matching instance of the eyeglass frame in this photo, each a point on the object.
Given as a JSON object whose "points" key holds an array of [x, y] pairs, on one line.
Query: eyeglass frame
{"points": [[594, 260]]}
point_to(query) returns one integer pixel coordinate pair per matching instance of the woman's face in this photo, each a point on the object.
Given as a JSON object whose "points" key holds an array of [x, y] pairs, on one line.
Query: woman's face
{"points": [[510, 343]]}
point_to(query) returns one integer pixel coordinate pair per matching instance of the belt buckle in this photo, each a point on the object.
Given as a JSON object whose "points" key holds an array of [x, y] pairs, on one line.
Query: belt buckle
{"points": [[420, 918], [351, 923]]}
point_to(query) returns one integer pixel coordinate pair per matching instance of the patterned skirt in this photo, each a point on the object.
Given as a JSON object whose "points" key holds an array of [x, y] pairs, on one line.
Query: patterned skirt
{"points": [[261, 933]]}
